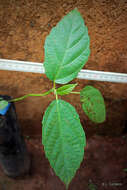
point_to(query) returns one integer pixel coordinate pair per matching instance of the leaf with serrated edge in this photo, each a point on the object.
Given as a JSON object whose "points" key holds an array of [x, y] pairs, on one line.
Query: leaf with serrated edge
{"points": [[66, 89], [63, 138], [3, 104], [66, 48], [93, 104]]}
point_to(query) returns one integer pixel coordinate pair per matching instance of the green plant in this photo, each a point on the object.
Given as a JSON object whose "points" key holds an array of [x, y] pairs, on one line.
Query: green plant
{"points": [[92, 186], [125, 169], [66, 52]]}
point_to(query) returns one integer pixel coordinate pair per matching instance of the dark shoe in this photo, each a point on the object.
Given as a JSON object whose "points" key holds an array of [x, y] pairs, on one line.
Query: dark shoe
{"points": [[14, 158]]}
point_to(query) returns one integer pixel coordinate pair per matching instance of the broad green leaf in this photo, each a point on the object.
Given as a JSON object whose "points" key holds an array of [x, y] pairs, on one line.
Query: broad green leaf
{"points": [[3, 104], [93, 104], [66, 89], [63, 138], [66, 48]]}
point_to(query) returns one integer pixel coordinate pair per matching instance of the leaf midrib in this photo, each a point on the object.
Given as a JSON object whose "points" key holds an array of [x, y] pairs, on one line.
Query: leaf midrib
{"points": [[59, 121], [61, 64]]}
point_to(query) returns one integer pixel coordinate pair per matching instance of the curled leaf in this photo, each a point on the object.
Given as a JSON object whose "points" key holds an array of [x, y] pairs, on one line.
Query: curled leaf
{"points": [[66, 89], [3, 104], [93, 104]]}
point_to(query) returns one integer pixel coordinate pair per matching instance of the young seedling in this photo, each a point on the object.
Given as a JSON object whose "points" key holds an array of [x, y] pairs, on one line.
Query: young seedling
{"points": [[66, 52]]}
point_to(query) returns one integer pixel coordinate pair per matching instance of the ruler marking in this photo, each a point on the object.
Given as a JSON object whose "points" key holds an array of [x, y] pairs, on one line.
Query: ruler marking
{"points": [[25, 66]]}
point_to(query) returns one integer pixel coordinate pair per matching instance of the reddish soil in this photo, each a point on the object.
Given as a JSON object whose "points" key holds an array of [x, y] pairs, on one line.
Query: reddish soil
{"points": [[24, 26], [103, 166]]}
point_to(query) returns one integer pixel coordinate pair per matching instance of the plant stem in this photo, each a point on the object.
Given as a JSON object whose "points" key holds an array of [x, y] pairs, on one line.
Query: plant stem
{"points": [[54, 88], [25, 96], [56, 96], [54, 85], [75, 92]]}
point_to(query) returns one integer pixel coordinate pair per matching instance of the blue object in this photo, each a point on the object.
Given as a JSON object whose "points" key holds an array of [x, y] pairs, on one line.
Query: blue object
{"points": [[3, 112]]}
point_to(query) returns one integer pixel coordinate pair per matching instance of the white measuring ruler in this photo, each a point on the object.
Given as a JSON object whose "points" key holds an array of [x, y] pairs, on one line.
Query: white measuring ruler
{"points": [[25, 66]]}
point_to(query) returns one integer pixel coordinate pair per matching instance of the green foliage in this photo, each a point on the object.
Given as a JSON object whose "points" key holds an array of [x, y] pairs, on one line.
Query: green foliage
{"points": [[66, 48], [93, 104], [66, 52], [125, 169], [66, 89], [3, 104], [63, 139], [92, 186]]}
